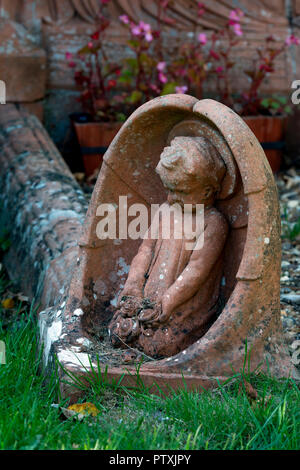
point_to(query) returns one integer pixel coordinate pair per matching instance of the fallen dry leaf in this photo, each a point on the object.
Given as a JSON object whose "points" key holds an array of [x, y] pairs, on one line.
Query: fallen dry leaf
{"points": [[80, 411], [8, 303]]}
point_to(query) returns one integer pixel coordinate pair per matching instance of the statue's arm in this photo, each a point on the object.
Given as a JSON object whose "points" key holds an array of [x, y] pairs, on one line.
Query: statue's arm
{"points": [[198, 268], [138, 269]]}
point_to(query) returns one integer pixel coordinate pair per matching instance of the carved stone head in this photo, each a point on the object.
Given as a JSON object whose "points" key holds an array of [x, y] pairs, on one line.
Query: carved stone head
{"points": [[191, 169]]}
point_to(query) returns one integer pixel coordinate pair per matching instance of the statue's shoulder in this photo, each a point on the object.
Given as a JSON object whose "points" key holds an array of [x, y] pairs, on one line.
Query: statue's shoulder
{"points": [[215, 221]]}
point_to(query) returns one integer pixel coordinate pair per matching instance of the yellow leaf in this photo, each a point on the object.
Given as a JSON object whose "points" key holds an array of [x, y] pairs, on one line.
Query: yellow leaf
{"points": [[87, 409], [8, 303]]}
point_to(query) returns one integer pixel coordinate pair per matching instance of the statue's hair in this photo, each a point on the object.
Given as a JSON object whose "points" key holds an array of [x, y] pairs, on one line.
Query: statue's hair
{"points": [[205, 155]]}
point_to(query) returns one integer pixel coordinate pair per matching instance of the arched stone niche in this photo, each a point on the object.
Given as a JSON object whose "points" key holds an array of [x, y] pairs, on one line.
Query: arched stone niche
{"points": [[250, 286]]}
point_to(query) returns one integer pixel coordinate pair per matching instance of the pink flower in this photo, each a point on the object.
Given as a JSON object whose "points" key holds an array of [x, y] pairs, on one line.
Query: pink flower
{"points": [[237, 29], [162, 77], [219, 69], [90, 45], [234, 20], [69, 56], [124, 19], [142, 29], [148, 37], [161, 66], [235, 16], [154, 88], [136, 30], [181, 89], [145, 27], [105, 2], [202, 38], [292, 40]]}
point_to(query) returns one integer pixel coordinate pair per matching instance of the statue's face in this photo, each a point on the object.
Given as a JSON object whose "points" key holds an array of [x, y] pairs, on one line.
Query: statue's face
{"points": [[176, 173]]}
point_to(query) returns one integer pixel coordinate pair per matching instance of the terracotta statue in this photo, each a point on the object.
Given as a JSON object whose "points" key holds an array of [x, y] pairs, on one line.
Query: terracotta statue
{"points": [[213, 339], [171, 296]]}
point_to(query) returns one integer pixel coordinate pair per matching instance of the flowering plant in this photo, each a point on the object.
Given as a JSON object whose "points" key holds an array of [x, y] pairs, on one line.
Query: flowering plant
{"points": [[218, 61], [111, 91], [250, 103], [145, 72], [95, 75]]}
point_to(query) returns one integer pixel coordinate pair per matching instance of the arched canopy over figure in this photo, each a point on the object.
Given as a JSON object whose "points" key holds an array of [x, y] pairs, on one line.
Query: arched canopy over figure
{"points": [[247, 257], [172, 292]]}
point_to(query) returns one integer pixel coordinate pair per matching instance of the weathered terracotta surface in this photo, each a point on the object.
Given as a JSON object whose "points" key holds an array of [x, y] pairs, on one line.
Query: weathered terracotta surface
{"points": [[250, 278], [172, 292]]}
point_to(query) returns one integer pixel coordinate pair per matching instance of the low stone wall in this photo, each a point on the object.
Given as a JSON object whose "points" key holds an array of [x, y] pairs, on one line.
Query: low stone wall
{"points": [[41, 207]]}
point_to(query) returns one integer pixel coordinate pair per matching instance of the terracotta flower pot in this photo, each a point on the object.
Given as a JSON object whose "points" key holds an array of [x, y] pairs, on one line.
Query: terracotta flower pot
{"points": [[270, 131], [94, 139]]}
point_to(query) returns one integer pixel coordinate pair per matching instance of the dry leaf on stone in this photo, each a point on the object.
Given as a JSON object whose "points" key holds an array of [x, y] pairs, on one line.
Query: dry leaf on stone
{"points": [[80, 411]]}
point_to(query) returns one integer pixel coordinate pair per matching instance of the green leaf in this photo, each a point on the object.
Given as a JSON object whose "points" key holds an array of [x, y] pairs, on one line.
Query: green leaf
{"points": [[133, 43], [126, 80], [169, 88], [145, 59], [135, 97], [275, 105], [265, 102], [287, 109], [126, 76], [121, 117], [282, 99], [132, 62]]}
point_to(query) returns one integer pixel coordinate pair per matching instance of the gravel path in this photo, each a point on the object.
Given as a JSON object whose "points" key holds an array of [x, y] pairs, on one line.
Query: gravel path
{"points": [[289, 193]]}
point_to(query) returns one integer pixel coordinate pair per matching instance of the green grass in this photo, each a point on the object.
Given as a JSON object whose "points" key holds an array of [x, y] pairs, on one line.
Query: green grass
{"points": [[222, 419], [290, 229]]}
